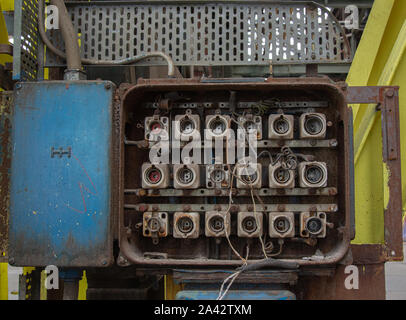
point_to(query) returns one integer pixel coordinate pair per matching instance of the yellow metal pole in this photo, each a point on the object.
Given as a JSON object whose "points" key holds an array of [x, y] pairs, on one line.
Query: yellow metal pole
{"points": [[171, 288], [7, 5], [362, 68], [82, 287], [379, 60], [3, 281]]}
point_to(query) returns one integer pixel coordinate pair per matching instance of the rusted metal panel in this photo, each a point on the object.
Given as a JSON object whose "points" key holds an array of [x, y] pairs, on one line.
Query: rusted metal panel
{"points": [[392, 160], [6, 99], [142, 207], [331, 191], [371, 285], [368, 253], [134, 249], [371, 94]]}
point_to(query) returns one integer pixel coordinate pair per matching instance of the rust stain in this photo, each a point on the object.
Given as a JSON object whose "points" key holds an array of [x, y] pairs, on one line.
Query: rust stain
{"points": [[5, 164]]}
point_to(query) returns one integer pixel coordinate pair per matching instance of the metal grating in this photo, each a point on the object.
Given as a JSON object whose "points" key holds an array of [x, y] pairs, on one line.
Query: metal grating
{"points": [[206, 33], [26, 46]]}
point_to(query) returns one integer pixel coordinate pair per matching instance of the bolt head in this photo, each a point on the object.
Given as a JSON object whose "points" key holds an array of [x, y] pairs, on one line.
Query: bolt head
{"points": [[390, 93], [333, 143]]}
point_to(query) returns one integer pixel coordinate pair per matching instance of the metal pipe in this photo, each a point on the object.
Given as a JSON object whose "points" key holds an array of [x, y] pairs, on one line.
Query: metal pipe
{"points": [[69, 35], [134, 255]]}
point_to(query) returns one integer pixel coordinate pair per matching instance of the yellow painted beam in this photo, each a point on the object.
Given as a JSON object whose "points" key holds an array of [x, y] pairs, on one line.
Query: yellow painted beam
{"points": [[171, 288], [369, 205], [386, 79], [3, 37], [82, 287], [7, 5], [367, 52], [362, 68], [3, 281]]}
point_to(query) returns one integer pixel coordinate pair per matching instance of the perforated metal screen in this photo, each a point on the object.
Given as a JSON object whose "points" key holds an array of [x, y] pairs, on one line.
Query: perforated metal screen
{"points": [[206, 33], [26, 40]]}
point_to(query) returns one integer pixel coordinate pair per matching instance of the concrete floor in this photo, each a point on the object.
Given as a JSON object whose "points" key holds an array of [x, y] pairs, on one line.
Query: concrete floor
{"points": [[395, 274]]}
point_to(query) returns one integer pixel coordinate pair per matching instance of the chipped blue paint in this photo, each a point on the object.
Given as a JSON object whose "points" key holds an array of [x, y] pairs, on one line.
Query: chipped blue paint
{"points": [[60, 204], [236, 295]]}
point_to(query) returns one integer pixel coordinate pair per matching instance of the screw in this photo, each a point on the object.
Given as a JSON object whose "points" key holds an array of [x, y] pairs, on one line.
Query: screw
{"points": [[333, 208], [332, 192], [333, 143], [104, 262], [390, 93]]}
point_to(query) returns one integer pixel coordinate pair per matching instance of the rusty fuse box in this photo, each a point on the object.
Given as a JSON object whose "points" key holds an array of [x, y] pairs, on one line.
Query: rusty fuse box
{"points": [[296, 204]]}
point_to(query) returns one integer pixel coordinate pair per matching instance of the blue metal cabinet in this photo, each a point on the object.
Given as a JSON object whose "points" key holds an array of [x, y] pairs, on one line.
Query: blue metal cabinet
{"points": [[60, 201]]}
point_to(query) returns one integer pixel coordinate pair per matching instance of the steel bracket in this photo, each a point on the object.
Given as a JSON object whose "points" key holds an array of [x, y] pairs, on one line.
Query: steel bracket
{"points": [[387, 98]]}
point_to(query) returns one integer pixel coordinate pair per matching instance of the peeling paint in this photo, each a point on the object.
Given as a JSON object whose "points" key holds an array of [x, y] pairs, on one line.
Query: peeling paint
{"points": [[386, 190]]}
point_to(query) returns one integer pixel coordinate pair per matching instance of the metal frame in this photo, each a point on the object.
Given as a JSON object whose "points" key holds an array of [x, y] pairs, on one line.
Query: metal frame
{"points": [[387, 100]]}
